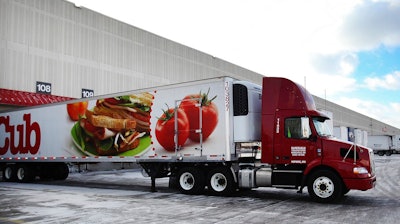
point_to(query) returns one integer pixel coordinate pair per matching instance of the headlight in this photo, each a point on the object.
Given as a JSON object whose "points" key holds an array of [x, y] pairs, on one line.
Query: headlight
{"points": [[360, 170]]}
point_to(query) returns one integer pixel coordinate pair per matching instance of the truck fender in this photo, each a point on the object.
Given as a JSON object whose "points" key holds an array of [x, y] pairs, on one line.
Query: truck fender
{"points": [[315, 168], [233, 174], [311, 166]]}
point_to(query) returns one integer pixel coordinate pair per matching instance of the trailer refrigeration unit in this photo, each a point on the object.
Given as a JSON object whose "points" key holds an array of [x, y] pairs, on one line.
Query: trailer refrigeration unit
{"points": [[217, 134]]}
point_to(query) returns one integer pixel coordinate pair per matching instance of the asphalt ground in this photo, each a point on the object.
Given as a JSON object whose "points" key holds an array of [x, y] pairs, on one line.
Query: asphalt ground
{"points": [[123, 196]]}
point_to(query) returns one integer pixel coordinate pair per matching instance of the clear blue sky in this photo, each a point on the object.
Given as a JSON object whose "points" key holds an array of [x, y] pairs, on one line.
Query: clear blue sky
{"points": [[377, 65], [346, 50]]}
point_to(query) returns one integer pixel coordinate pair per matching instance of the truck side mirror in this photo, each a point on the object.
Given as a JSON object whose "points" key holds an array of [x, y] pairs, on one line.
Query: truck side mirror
{"points": [[305, 127]]}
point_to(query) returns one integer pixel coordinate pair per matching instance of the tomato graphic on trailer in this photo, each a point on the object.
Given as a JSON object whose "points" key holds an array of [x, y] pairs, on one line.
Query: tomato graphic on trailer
{"points": [[189, 100], [77, 110], [165, 129], [209, 111]]}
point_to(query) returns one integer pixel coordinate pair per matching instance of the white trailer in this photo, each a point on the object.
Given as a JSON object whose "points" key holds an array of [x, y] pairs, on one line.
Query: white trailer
{"points": [[358, 136], [396, 143], [381, 144], [365, 138], [53, 133], [132, 127], [341, 133]]}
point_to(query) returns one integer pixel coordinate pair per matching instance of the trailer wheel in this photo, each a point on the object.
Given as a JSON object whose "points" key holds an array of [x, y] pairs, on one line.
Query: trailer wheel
{"points": [[388, 153], [381, 153], [25, 173], [62, 171], [191, 180], [325, 186], [9, 173], [220, 181]]}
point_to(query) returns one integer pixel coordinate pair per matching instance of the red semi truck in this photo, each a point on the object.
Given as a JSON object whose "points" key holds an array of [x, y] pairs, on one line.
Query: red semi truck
{"points": [[218, 134]]}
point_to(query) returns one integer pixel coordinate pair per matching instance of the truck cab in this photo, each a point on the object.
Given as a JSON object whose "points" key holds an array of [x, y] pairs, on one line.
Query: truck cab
{"points": [[299, 147]]}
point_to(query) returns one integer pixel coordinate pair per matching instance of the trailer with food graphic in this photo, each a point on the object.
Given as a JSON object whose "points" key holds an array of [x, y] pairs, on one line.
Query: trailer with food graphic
{"points": [[217, 135]]}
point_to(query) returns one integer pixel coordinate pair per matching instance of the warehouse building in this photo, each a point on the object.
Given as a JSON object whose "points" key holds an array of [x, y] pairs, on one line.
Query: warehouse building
{"points": [[51, 50]]}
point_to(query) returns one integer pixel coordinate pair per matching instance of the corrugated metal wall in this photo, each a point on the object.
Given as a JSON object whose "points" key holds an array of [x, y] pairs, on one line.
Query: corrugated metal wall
{"points": [[343, 116], [73, 48]]}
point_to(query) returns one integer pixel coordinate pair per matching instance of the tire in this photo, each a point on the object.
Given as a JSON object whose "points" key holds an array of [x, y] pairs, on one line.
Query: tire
{"points": [[62, 171], [388, 153], [220, 181], [173, 183], [25, 174], [381, 153], [191, 180], [9, 173], [325, 186], [345, 190]]}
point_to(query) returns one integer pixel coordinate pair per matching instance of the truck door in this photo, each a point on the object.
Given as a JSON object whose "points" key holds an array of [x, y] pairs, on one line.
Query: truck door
{"points": [[296, 145]]}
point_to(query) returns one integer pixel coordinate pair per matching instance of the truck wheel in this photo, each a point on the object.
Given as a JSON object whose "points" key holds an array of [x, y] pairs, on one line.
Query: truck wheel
{"points": [[220, 181], [25, 173], [191, 180], [173, 182], [9, 173], [325, 186], [381, 153], [345, 190], [388, 153]]}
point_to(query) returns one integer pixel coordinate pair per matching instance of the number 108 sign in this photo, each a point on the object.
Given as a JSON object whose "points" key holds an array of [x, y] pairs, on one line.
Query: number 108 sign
{"points": [[43, 87]]}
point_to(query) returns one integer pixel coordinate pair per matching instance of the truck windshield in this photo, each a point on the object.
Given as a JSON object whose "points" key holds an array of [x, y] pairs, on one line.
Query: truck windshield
{"points": [[322, 126]]}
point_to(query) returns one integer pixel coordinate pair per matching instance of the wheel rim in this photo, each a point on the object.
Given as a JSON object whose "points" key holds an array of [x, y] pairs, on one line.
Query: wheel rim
{"points": [[323, 187], [21, 173], [218, 182], [8, 173], [186, 181]]}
